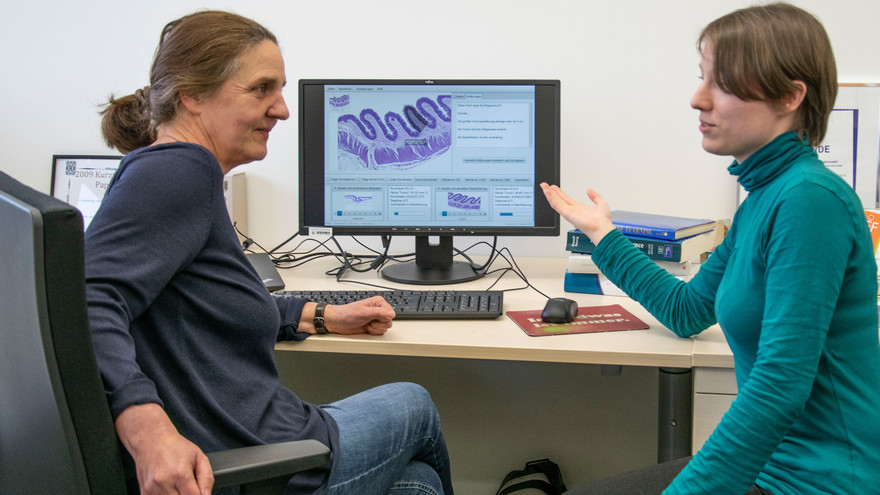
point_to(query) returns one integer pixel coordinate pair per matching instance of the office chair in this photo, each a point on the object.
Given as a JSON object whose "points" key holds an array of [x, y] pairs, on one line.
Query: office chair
{"points": [[56, 431]]}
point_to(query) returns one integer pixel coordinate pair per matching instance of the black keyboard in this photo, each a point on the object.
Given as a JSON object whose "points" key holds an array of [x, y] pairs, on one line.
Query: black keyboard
{"points": [[418, 304]]}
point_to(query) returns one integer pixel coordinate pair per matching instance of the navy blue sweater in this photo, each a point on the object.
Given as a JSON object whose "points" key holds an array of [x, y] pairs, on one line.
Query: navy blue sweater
{"points": [[180, 318]]}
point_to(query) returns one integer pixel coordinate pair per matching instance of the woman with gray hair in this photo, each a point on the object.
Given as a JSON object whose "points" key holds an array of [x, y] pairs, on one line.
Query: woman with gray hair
{"points": [[183, 327]]}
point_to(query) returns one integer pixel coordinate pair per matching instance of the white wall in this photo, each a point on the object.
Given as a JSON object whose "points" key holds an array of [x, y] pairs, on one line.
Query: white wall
{"points": [[628, 69]]}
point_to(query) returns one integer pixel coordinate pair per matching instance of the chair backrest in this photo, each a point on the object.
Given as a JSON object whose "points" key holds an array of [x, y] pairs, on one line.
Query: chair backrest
{"points": [[56, 432]]}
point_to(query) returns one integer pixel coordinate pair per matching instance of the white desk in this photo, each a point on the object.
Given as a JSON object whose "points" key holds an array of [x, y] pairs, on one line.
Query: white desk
{"points": [[482, 343], [502, 338]]}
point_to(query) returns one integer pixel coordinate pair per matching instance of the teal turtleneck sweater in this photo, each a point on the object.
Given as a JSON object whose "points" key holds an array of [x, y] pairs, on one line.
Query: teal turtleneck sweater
{"points": [[794, 288]]}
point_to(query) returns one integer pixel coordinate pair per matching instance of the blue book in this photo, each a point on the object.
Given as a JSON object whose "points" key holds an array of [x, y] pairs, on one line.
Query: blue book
{"points": [[657, 249], [585, 283], [659, 226], [590, 283], [578, 242]]}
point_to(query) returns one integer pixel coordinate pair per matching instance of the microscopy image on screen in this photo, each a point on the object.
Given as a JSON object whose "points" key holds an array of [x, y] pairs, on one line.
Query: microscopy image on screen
{"points": [[463, 201], [440, 156], [393, 139], [359, 202]]}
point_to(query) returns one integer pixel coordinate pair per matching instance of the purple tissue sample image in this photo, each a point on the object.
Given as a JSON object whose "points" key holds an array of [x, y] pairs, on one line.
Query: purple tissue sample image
{"points": [[395, 141]]}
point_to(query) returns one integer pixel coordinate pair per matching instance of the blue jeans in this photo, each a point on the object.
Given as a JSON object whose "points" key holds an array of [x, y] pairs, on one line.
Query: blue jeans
{"points": [[389, 443]]}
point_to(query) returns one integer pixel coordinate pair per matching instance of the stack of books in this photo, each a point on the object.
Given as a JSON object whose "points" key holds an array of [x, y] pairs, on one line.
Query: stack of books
{"points": [[674, 243]]}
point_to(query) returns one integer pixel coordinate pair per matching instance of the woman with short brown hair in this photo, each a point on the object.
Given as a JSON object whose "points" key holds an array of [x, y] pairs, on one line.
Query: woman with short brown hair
{"points": [[793, 285]]}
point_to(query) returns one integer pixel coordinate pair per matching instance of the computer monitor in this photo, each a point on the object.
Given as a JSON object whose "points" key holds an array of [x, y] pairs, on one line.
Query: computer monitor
{"points": [[428, 158]]}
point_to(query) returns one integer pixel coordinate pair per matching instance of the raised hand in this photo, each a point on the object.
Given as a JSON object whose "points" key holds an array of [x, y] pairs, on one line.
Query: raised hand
{"points": [[595, 221]]}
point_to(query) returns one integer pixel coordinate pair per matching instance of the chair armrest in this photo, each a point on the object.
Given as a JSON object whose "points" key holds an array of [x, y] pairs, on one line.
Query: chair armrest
{"points": [[263, 462]]}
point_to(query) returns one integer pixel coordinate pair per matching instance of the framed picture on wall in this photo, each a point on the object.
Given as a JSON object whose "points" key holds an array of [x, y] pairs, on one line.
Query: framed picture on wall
{"points": [[80, 180], [851, 147]]}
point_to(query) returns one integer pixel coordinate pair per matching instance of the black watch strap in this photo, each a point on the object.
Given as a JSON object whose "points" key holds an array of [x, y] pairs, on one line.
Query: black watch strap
{"points": [[320, 329]]}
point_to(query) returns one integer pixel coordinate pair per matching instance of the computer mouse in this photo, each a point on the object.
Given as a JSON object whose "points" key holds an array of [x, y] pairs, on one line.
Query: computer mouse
{"points": [[559, 310]]}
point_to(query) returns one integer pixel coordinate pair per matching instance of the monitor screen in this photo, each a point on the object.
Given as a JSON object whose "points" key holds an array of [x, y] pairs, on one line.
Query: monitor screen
{"points": [[428, 158]]}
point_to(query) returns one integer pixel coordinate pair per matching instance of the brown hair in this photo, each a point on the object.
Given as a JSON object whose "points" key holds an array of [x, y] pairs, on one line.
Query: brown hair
{"points": [[196, 55], [758, 53]]}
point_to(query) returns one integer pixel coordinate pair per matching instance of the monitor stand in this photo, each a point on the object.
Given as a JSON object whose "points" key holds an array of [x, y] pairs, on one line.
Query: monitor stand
{"points": [[433, 265]]}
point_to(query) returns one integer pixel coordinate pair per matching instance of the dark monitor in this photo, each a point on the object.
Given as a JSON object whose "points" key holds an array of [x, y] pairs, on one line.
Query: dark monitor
{"points": [[432, 159]]}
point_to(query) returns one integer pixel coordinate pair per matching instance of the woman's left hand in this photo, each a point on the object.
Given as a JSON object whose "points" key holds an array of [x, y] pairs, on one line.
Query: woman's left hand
{"points": [[595, 221], [371, 316]]}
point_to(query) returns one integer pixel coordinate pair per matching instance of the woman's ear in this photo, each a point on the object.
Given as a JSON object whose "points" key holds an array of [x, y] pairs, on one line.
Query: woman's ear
{"points": [[191, 103], [792, 101]]}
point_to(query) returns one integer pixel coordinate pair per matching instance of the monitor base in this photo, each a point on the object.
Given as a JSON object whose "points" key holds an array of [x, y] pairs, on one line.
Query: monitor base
{"points": [[410, 273]]}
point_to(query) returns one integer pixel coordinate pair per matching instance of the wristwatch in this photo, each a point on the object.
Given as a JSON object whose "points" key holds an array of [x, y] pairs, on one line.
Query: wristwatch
{"points": [[320, 329]]}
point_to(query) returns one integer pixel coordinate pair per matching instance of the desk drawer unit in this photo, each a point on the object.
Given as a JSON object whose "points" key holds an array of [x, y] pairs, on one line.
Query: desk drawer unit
{"points": [[714, 391]]}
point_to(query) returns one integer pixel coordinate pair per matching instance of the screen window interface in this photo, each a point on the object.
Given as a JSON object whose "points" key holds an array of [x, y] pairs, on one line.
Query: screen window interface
{"points": [[437, 157]]}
